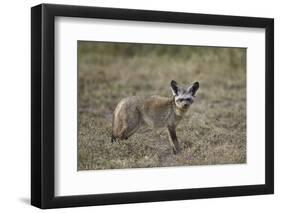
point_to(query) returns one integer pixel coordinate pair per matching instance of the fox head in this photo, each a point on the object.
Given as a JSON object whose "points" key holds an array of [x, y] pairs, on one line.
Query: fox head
{"points": [[184, 96]]}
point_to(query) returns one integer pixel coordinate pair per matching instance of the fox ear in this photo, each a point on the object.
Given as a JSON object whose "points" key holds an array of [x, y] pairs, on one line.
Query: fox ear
{"points": [[193, 88], [174, 87]]}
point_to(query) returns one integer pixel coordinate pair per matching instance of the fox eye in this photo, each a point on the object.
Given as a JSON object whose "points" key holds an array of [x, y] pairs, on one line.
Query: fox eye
{"points": [[185, 99], [181, 99]]}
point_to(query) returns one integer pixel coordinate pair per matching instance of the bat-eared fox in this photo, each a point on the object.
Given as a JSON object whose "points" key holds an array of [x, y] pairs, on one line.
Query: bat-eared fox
{"points": [[154, 111]]}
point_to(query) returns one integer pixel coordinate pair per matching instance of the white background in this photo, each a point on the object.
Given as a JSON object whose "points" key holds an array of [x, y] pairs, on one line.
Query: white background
{"points": [[70, 182], [15, 106]]}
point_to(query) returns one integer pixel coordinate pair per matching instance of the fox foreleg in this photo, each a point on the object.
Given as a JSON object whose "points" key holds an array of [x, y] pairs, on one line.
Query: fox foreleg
{"points": [[173, 139]]}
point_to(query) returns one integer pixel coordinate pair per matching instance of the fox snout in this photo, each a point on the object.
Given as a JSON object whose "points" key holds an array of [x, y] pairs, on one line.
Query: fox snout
{"points": [[185, 105]]}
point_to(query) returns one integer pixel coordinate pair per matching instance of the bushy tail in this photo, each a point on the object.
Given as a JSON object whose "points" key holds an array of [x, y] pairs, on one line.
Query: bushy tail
{"points": [[113, 138]]}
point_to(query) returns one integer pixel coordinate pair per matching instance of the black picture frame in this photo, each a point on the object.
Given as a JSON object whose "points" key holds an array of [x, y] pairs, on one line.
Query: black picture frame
{"points": [[43, 105]]}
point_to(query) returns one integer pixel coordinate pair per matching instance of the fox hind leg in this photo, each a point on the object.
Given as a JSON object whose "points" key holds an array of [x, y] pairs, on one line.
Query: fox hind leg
{"points": [[125, 126], [130, 128], [130, 131]]}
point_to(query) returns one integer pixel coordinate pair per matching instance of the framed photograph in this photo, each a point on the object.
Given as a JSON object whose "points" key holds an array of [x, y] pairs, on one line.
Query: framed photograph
{"points": [[139, 106]]}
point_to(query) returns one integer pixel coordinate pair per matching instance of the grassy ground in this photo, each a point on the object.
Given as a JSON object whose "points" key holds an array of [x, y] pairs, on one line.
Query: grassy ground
{"points": [[214, 131]]}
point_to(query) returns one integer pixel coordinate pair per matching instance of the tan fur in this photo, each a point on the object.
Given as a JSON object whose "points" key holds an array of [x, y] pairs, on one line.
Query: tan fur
{"points": [[154, 111]]}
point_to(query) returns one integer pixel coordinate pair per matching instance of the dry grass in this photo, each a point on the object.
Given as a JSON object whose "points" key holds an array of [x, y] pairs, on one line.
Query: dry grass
{"points": [[214, 132]]}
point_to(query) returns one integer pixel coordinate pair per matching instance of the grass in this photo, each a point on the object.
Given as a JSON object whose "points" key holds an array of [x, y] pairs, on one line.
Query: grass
{"points": [[213, 132]]}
